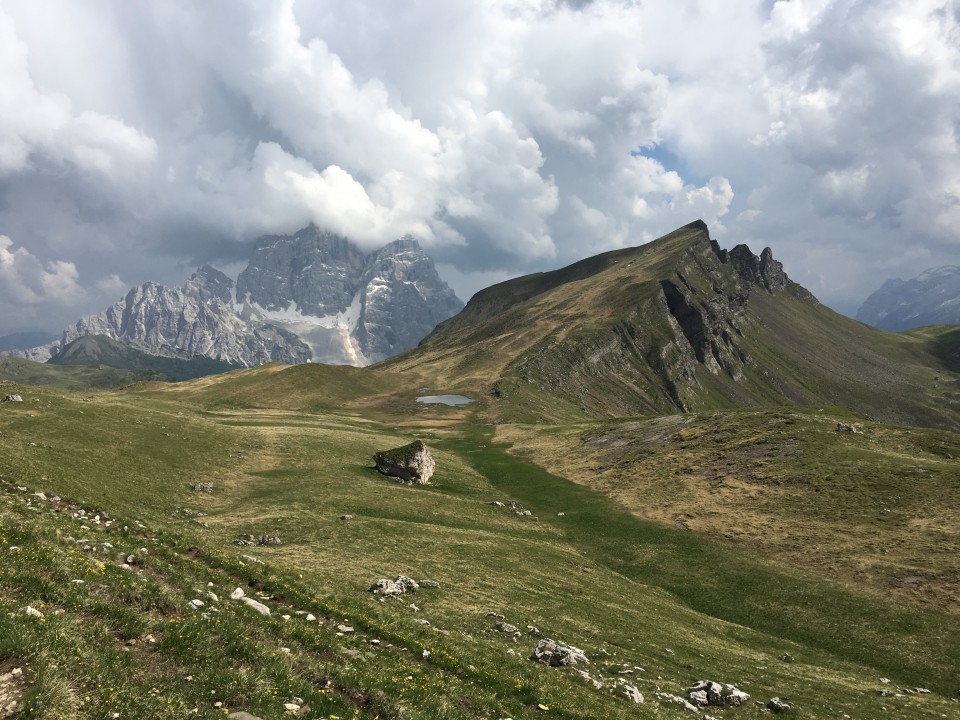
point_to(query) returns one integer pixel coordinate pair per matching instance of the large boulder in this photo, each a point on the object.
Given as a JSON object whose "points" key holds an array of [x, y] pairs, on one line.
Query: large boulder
{"points": [[410, 464], [557, 654], [708, 692]]}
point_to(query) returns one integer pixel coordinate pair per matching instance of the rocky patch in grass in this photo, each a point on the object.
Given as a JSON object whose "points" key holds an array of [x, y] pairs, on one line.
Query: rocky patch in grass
{"points": [[13, 687]]}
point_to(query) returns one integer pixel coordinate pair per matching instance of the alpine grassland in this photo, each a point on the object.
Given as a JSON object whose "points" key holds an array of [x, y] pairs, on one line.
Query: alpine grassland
{"points": [[682, 466]]}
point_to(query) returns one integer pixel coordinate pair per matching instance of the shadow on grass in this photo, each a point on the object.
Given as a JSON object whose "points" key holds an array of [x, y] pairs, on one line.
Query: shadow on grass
{"points": [[913, 645]]}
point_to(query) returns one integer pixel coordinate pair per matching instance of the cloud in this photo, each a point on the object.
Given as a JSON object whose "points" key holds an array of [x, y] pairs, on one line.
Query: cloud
{"points": [[25, 281], [507, 136], [38, 127]]}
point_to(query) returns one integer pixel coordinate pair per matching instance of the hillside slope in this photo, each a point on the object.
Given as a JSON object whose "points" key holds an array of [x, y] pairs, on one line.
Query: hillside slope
{"points": [[678, 325]]}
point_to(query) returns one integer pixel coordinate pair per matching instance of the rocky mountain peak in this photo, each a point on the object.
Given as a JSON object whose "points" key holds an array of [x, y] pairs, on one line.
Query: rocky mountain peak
{"points": [[930, 298], [762, 271], [208, 283]]}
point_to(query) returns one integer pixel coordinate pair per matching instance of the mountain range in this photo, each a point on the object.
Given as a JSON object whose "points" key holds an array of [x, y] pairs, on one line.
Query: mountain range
{"points": [[675, 463], [931, 298], [309, 297]]}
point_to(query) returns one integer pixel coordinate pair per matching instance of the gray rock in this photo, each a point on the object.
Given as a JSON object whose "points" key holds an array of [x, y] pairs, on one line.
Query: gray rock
{"points": [[708, 692], [410, 463], [206, 487], [843, 427], [777, 705], [597, 685], [258, 606], [13, 398], [346, 517], [506, 627], [269, 540], [557, 654], [242, 716], [668, 699], [429, 584], [631, 693], [388, 588]]}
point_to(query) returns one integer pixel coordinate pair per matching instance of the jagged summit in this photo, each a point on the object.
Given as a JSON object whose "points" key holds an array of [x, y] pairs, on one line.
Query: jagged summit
{"points": [[678, 324], [347, 306], [312, 296], [931, 298]]}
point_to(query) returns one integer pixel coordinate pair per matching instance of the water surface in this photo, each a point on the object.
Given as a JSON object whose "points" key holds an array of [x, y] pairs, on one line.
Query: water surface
{"points": [[444, 399]]}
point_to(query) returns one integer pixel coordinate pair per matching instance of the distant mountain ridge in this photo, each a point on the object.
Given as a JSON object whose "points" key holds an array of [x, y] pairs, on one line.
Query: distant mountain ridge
{"points": [[931, 298], [312, 296]]}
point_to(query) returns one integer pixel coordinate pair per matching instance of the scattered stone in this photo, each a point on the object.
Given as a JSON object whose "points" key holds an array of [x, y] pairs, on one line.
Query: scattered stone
{"points": [[237, 594], [631, 693], [346, 517], [291, 708], [13, 398], [496, 615], [206, 487], [422, 621], [212, 596], [310, 617], [389, 588], [843, 427], [708, 692], [597, 685], [922, 691], [429, 583], [497, 503], [668, 699], [196, 604], [506, 627], [32, 612], [557, 654], [258, 606], [778, 706], [269, 540], [242, 716], [344, 628], [532, 629], [251, 559], [885, 681], [787, 658], [245, 540], [410, 464]]}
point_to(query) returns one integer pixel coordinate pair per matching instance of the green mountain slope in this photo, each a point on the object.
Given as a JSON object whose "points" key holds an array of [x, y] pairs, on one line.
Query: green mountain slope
{"points": [[677, 325], [103, 351], [683, 507], [632, 594]]}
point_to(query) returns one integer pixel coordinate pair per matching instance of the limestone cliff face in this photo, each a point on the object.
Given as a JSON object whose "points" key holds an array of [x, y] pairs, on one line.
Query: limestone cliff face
{"points": [[308, 296], [402, 300], [182, 322], [314, 270], [347, 306]]}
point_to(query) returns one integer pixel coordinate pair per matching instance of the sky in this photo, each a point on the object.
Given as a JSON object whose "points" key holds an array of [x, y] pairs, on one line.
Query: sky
{"points": [[140, 140]]}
